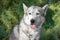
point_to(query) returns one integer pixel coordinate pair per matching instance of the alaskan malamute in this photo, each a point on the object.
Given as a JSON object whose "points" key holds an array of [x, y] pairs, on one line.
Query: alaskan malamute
{"points": [[31, 24]]}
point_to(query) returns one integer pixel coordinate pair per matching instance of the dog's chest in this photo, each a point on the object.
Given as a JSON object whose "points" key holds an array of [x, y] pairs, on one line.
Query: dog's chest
{"points": [[28, 31]]}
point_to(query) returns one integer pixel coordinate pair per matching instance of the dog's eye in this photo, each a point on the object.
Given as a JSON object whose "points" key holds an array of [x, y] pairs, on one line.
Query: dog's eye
{"points": [[29, 13], [37, 13]]}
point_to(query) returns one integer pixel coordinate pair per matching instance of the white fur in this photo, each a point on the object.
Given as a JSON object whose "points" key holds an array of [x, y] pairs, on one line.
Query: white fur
{"points": [[25, 31], [27, 18]]}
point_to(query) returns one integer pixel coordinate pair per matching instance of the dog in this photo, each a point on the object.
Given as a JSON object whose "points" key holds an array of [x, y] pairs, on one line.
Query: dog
{"points": [[30, 26]]}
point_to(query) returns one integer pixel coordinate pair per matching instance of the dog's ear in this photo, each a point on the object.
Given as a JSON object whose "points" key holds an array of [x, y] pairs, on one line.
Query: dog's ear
{"points": [[45, 8], [25, 8]]}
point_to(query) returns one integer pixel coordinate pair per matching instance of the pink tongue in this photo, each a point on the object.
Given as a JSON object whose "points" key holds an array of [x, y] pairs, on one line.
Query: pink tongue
{"points": [[32, 26]]}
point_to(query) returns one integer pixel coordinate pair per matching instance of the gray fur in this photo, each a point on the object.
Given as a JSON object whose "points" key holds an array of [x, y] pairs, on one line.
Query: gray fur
{"points": [[23, 30]]}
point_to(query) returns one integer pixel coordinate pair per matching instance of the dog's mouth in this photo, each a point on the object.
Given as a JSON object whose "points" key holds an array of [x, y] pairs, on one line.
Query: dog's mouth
{"points": [[33, 26]]}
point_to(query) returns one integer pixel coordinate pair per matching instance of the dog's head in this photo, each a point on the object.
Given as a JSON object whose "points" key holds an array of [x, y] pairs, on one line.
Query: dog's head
{"points": [[34, 15]]}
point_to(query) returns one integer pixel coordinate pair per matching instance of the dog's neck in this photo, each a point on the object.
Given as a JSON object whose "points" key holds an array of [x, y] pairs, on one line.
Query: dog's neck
{"points": [[24, 24]]}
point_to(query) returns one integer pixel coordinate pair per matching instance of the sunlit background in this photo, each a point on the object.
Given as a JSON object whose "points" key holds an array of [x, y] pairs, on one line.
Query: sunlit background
{"points": [[11, 11]]}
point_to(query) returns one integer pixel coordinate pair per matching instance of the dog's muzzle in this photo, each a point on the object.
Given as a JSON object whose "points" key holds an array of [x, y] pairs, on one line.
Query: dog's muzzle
{"points": [[32, 25], [32, 21]]}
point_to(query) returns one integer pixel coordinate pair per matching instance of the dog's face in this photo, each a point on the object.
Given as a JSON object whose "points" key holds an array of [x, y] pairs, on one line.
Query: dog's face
{"points": [[34, 15]]}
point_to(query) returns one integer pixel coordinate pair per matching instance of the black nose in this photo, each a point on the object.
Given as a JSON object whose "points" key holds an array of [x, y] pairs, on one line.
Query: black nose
{"points": [[32, 21]]}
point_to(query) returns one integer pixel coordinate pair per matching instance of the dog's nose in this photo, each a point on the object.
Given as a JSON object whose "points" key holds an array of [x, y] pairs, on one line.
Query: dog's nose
{"points": [[32, 21]]}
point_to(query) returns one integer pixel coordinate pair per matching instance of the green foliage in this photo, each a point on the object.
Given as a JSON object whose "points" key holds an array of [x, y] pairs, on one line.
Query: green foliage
{"points": [[51, 27], [11, 11]]}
